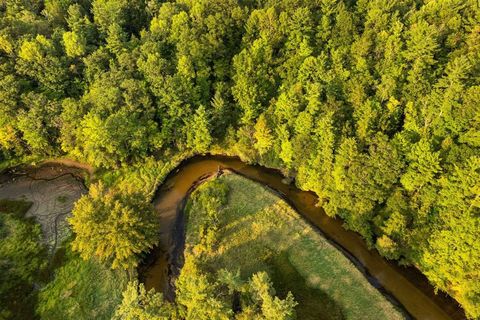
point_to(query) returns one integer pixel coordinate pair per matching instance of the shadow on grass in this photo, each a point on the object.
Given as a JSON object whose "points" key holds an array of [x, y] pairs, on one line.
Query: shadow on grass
{"points": [[19, 296], [312, 303]]}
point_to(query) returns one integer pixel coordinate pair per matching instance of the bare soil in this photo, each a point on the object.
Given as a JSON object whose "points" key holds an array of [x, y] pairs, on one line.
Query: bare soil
{"points": [[53, 189]]}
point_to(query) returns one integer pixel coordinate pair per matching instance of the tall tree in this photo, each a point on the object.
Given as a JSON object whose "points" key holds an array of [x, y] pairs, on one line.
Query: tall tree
{"points": [[113, 228]]}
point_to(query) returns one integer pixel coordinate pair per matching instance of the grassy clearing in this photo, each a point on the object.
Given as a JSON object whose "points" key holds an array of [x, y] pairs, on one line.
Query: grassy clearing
{"points": [[81, 290], [259, 231]]}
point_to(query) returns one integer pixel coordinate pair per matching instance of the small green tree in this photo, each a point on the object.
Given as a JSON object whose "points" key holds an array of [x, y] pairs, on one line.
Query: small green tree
{"points": [[198, 131], [286, 147], [196, 295], [140, 304], [75, 44], [424, 166], [273, 308]]}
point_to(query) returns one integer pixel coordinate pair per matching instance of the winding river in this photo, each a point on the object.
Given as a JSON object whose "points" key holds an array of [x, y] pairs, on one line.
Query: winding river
{"points": [[405, 286]]}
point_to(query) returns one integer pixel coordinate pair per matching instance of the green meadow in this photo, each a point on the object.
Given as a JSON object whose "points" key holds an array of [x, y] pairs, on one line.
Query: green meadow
{"points": [[255, 230]]}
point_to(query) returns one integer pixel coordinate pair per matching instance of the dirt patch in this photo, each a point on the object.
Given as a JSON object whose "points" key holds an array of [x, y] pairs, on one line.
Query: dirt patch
{"points": [[52, 188]]}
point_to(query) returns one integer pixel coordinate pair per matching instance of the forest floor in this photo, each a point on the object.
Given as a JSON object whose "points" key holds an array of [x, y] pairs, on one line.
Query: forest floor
{"points": [[260, 231]]}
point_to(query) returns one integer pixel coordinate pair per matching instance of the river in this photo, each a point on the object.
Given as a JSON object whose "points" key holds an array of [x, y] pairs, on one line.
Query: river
{"points": [[406, 285]]}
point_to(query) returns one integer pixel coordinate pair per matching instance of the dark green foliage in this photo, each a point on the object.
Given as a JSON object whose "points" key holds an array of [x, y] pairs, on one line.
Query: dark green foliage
{"points": [[81, 290], [373, 105], [17, 208], [23, 259]]}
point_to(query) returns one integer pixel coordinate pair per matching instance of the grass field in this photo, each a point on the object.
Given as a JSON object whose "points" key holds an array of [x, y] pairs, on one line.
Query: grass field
{"points": [[81, 290], [259, 231]]}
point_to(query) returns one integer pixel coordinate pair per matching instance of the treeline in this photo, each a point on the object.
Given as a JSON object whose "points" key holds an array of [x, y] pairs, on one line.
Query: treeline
{"points": [[373, 105], [203, 295]]}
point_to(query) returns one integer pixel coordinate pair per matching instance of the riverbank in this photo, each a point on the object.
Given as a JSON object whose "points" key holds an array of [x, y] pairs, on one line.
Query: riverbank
{"points": [[52, 188], [406, 285]]}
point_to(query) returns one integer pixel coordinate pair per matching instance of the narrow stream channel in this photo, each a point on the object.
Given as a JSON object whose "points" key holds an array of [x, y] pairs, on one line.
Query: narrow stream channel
{"points": [[407, 285]]}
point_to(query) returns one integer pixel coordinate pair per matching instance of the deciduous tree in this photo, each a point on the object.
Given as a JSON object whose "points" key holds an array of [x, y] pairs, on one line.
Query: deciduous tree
{"points": [[112, 227]]}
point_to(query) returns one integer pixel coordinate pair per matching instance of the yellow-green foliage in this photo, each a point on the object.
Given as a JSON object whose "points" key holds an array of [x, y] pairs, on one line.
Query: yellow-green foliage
{"points": [[259, 231], [113, 227], [205, 295], [143, 177], [140, 304]]}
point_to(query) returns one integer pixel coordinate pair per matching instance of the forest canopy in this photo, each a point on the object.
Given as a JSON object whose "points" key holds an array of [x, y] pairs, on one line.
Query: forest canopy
{"points": [[373, 105]]}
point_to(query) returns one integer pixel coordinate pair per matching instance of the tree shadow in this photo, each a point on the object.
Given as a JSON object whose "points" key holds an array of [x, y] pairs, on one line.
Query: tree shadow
{"points": [[313, 303]]}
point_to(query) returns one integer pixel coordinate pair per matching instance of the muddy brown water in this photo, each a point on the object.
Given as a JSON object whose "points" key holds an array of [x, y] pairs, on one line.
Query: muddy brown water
{"points": [[407, 286], [404, 285]]}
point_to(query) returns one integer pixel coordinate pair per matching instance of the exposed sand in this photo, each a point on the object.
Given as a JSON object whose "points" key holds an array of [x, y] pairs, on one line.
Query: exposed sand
{"points": [[53, 189]]}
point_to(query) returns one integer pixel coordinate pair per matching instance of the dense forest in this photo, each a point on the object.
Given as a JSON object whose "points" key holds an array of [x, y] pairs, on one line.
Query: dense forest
{"points": [[373, 105]]}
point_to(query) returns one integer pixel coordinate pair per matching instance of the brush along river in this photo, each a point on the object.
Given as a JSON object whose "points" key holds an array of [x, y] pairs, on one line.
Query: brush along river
{"points": [[404, 286]]}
